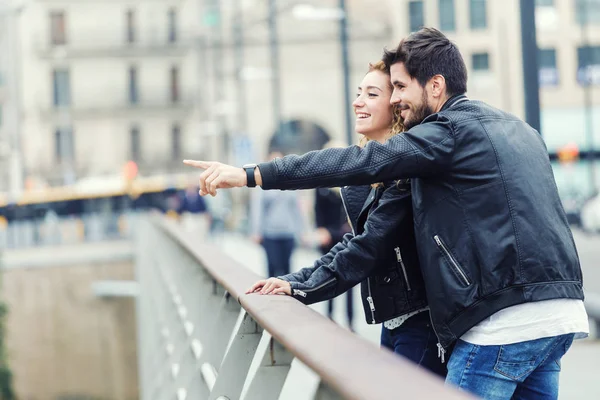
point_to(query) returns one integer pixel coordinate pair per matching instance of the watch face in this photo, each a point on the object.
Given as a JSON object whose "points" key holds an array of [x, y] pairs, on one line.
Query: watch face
{"points": [[249, 166]]}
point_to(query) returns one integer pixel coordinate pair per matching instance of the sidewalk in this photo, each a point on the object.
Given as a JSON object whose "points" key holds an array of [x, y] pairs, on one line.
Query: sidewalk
{"points": [[580, 369]]}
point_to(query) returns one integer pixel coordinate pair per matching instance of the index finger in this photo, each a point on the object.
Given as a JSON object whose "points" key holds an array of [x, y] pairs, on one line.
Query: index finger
{"points": [[197, 164]]}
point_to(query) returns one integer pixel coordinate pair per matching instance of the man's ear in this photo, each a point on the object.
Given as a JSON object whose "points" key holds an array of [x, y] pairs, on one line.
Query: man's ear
{"points": [[438, 86]]}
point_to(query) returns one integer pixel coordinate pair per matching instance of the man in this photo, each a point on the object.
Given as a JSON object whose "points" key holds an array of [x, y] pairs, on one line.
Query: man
{"points": [[500, 266]]}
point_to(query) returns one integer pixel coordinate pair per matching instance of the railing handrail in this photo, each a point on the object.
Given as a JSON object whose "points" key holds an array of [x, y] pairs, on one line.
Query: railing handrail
{"points": [[349, 364]]}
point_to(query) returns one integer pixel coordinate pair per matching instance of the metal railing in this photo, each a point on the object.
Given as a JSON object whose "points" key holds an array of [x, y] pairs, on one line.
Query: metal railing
{"points": [[91, 227], [199, 334]]}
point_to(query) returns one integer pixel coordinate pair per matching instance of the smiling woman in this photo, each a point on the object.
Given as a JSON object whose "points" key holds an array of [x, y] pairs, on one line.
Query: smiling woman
{"points": [[374, 114]]}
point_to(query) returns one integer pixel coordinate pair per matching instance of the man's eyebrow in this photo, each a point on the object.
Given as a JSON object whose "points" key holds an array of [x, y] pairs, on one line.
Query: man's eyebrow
{"points": [[397, 83]]}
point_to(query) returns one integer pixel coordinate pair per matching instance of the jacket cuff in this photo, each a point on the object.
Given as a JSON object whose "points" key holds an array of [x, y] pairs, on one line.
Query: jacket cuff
{"points": [[297, 293], [268, 173]]}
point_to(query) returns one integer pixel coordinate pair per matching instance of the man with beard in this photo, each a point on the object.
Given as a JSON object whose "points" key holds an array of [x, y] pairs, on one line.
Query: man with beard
{"points": [[501, 270]]}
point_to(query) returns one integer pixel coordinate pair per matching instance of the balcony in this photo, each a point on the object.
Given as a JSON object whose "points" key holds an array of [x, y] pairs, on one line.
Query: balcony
{"points": [[103, 44], [122, 108]]}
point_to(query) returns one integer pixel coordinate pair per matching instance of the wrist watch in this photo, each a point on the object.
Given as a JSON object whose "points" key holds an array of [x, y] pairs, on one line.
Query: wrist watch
{"points": [[249, 168]]}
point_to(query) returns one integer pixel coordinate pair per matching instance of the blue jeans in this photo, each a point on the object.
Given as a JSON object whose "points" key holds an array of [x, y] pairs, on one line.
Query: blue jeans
{"points": [[415, 340], [279, 251], [524, 370]]}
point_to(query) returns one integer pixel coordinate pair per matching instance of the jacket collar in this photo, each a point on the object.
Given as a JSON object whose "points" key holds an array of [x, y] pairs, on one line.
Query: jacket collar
{"points": [[457, 98]]}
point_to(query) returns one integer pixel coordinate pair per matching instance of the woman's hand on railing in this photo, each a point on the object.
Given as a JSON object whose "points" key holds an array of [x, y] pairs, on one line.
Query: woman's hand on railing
{"points": [[271, 286]]}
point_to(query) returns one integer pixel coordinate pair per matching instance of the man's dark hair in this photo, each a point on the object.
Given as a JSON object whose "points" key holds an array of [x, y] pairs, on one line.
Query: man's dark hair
{"points": [[429, 52]]}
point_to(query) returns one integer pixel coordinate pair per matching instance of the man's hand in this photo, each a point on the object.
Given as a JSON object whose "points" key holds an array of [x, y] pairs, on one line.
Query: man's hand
{"points": [[218, 176], [271, 286]]}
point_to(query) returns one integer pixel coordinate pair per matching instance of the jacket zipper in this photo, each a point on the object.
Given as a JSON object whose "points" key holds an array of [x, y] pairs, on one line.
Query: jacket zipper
{"points": [[370, 300], [441, 350], [457, 267], [347, 215], [304, 292], [399, 258]]}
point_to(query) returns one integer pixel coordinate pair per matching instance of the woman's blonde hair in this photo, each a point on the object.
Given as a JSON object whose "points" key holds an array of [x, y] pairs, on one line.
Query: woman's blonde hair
{"points": [[397, 126]]}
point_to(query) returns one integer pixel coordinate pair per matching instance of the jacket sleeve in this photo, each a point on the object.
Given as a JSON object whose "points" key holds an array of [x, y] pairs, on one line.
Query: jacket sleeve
{"points": [[305, 273], [358, 259], [422, 151]]}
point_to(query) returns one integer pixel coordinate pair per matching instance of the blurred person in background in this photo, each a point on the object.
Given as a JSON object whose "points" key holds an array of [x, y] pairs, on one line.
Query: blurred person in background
{"points": [[276, 223], [193, 211], [219, 209], [392, 287], [332, 224]]}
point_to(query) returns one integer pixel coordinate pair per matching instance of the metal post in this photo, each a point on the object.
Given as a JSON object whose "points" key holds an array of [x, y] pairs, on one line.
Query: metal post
{"points": [[13, 81], [529, 49], [217, 43], [346, 70], [587, 96], [275, 78], [238, 35]]}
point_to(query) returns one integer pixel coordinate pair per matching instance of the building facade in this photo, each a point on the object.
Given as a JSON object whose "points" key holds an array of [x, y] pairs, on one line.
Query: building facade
{"points": [[155, 81], [103, 83]]}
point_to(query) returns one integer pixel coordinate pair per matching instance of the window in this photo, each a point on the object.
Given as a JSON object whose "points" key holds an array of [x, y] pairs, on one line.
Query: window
{"points": [[131, 28], [174, 79], [135, 143], [176, 142], [61, 83], [133, 86], [63, 144], [478, 14], [587, 11], [416, 15], [447, 20], [544, 3], [588, 66], [58, 34], [548, 73], [481, 62], [172, 21]]}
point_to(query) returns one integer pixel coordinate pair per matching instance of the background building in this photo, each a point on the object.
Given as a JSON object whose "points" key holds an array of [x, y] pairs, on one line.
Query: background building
{"points": [[154, 81]]}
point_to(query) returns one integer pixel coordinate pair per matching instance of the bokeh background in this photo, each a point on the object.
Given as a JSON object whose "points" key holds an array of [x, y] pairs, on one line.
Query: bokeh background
{"points": [[101, 100]]}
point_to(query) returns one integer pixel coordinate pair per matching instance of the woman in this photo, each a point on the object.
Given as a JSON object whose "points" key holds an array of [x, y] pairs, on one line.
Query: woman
{"points": [[381, 250]]}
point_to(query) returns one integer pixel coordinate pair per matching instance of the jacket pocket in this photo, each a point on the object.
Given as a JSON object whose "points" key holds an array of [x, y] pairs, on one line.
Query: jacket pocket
{"points": [[458, 270]]}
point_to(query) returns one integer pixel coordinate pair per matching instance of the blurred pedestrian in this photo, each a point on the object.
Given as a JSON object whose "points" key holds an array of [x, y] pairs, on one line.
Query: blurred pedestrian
{"points": [[276, 224], [193, 212], [332, 224], [393, 291]]}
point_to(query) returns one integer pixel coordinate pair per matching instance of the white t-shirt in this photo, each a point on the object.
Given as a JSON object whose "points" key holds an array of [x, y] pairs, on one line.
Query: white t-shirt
{"points": [[530, 321]]}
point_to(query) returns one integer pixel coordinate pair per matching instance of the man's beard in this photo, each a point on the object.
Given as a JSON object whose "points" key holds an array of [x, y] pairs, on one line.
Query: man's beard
{"points": [[419, 114]]}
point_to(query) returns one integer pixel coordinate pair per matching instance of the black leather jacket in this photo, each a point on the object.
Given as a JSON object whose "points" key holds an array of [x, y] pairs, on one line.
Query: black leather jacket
{"points": [[490, 227], [391, 280]]}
